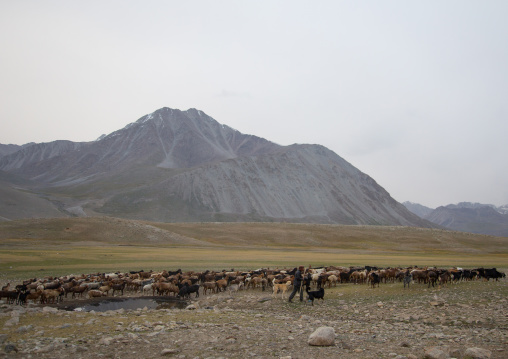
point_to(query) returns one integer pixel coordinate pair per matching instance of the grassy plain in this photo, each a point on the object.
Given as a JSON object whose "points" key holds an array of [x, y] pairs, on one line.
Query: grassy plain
{"points": [[42, 247]]}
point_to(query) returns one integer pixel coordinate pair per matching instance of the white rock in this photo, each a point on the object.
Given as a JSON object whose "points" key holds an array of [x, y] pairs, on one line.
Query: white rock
{"points": [[322, 336], [49, 310], [435, 353], [106, 341], [477, 353], [166, 352]]}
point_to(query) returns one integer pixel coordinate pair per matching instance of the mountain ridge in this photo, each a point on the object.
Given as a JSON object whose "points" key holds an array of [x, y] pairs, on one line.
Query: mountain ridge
{"points": [[466, 217], [174, 165]]}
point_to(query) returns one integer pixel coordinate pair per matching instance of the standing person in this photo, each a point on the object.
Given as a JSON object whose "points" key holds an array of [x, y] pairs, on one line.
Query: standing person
{"points": [[298, 284]]}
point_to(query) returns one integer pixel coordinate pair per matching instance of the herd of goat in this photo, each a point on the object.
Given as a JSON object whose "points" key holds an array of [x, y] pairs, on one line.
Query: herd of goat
{"points": [[182, 285]]}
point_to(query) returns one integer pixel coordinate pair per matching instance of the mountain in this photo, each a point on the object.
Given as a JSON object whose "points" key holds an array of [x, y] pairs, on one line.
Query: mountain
{"points": [[466, 217], [174, 165], [418, 209]]}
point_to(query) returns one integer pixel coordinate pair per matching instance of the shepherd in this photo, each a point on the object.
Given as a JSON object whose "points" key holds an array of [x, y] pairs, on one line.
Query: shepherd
{"points": [[298, 284]]}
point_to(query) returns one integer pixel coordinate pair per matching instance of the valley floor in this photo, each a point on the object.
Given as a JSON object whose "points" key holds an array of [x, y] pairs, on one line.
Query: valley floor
{"points": [[385, 322]]}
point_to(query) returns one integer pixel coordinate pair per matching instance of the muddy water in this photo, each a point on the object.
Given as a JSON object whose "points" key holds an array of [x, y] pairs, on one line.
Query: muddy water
{"points": [[103, 305]]}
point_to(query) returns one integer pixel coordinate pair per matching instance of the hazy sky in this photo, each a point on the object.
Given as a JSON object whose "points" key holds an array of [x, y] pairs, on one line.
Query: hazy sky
{"points": [[412, 93]]}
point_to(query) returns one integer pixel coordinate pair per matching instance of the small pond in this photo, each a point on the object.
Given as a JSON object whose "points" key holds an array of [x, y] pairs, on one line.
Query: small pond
{"points": [[129, 303]]}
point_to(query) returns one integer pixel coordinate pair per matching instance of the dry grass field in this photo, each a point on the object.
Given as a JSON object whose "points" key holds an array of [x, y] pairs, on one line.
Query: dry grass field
{"points": [[61, 246]]}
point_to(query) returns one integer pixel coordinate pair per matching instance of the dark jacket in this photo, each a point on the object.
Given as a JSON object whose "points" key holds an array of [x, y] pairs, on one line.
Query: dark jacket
{"points": [[298, 278]]}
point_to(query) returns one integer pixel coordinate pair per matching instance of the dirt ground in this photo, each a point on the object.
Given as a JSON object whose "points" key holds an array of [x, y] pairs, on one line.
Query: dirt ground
{"points": [[385, 322]]}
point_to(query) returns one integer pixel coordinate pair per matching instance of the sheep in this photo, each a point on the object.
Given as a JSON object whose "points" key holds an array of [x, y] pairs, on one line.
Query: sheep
{"points": [[79, 290], [163, 288], [332, 279], [51, 295], [34, 296], [105, 288], [233, 288]]}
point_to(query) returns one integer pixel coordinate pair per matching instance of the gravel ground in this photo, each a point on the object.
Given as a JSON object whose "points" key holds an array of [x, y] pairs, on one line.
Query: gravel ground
{"points": [[385, 322]]}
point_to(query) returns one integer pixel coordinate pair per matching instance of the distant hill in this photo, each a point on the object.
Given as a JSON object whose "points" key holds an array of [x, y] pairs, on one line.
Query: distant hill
{"points": [[466, 217], [181, 166], [418, 209]]}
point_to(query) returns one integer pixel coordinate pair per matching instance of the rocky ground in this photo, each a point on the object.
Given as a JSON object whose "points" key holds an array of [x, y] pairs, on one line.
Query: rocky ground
{"points": [[385, 322]]}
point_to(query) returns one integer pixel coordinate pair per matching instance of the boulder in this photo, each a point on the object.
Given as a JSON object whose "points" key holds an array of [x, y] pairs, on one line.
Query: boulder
{"points": [[322, 336], [435, 353], [477, 353]]}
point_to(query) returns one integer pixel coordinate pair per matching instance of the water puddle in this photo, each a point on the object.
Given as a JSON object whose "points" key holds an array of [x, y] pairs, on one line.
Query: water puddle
{"points": [[103, 305]]}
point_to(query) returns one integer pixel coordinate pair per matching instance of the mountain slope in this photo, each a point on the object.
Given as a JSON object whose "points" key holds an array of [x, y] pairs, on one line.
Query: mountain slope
{"points": [[176, 165], [418, 209]]}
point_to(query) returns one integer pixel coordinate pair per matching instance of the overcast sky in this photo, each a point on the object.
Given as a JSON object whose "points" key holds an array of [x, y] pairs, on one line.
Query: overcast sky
{"points": [[412, 93]]}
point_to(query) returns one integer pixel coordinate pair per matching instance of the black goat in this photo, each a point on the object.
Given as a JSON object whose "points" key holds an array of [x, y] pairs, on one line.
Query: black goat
{"points": [[186, 291]]}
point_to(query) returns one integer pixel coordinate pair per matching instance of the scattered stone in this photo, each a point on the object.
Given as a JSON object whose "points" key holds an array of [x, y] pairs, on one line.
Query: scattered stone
{"points": [[323, 336], [168, 352], [106, 341], [49, 310], [24, 328], [11, 322], [3, 338], [435, 353], [79, 349], [436, 303], [477, 353]]}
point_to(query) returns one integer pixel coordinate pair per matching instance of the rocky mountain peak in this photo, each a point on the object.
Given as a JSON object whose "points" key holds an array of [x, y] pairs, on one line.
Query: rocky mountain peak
{"points": [[173, 165]]}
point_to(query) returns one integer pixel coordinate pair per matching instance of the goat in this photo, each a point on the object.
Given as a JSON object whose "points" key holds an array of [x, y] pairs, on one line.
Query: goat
{"points": [[34, 296], [444, 278], [374, 279], [118, 287], [186, 291], [163, 288], [209, 286], [79, 290]]}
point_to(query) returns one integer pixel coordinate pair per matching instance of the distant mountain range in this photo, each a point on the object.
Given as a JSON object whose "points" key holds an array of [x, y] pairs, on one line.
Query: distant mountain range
{"points": [[466, 217], [173, 166]]}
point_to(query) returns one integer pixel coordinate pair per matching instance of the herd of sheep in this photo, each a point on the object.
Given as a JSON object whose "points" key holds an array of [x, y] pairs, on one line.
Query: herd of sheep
{"points": [[180, 284]]}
